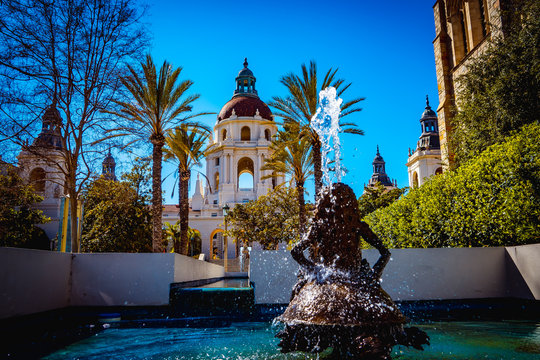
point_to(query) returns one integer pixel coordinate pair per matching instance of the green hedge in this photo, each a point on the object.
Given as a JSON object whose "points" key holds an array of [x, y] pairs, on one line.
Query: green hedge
{"points": [[492, 200]]}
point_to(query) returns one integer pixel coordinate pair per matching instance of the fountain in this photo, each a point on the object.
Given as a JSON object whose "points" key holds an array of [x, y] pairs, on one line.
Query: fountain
{"points": [[338, 301]]}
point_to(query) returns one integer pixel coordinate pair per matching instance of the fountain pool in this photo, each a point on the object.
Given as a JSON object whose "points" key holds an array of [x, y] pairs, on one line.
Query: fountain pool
{"points": [[508, 340]]}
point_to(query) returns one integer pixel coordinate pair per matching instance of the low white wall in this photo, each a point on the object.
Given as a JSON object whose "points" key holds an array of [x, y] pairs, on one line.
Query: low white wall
{"points": [[33, 281], [121, 279], [411, 274], [133, 279], [190, 269], [273, 274], [456, 273]]}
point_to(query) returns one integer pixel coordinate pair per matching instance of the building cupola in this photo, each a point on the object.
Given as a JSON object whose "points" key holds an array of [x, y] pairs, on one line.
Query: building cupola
{"points": [[425, 160], [50, 136], [109, 167], [245, 82], [245, 101], [430, 129], [379, 172]]}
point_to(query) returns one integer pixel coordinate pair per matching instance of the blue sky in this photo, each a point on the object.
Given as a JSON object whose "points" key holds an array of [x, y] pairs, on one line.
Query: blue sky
{"points": [[384, 48]]}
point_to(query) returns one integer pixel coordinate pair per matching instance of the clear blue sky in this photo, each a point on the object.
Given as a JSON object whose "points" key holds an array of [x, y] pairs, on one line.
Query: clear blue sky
{"points": [[384, 48]]}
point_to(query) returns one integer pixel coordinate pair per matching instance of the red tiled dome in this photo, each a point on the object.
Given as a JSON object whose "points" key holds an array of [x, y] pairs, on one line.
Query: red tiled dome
{"points": [[245, 106]]}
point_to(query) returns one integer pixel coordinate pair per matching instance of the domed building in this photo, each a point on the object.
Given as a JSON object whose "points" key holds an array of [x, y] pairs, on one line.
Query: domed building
{"points": [[425, 160], [42, 165], [243, 132]]}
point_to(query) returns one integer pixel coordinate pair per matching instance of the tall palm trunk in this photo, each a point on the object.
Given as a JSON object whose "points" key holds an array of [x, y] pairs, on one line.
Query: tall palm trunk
{"points": [[157, 233], [317, 167], [184, 211], [301, 207]]}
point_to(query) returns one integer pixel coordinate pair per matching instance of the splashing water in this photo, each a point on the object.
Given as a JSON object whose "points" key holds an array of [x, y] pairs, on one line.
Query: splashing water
{"points": [[325, 123]]}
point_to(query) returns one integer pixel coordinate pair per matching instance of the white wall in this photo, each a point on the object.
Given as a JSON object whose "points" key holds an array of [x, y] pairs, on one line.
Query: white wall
{"points": [[451, 273], [33, 281], [413, 274], [121, 279], [189, 269], [274, 275], [133, 279]]}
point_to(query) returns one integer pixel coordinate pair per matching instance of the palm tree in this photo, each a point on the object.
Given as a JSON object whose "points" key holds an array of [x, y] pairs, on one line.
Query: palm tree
{"points": [[186, 145], [291, 155], [157, 103], [300, 105]]}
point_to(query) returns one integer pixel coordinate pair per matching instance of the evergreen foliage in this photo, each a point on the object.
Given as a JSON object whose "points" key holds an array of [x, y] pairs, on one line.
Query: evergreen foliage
{"points": [[173, 234], [117, 215], [17, 217], [269, 220], [377, 197], [493, 200], [500, 92]]}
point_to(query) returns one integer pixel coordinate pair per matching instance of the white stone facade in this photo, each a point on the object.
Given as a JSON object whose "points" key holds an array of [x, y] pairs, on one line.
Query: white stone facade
{"points": [[242, 135], [43, 172], [423, 164]]}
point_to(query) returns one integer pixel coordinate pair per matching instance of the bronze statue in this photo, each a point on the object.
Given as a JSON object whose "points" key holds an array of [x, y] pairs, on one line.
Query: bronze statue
{"points": [[338, 301]]}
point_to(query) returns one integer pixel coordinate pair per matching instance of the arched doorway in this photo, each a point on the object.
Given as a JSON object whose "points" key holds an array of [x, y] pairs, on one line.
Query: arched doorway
{"points": [[216, 244], [438, 171], [246, 174], [37, 179]]}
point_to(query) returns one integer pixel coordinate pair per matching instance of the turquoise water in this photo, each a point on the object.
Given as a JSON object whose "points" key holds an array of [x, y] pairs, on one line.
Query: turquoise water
{"points": [[251, 341]]}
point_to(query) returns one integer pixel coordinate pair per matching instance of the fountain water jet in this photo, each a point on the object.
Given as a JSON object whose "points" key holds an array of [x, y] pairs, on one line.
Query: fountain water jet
{"points": [[338, 301]]}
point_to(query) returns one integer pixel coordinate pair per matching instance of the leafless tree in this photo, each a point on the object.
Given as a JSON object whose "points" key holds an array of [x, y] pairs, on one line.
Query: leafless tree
{"points": [[67, 54]]}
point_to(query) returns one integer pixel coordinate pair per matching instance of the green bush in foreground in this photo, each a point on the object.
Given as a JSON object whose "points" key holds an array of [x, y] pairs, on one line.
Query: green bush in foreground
{"points": [[492, 200]]}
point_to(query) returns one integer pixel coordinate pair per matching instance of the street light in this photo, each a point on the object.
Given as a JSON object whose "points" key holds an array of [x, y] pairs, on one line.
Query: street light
{"points": [[225, 212]]}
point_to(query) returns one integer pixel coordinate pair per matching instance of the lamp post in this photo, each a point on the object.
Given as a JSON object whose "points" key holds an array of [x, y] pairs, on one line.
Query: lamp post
{"points": [[225, 253]]}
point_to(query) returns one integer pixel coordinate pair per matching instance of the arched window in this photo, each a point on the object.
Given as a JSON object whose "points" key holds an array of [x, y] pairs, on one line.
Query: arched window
{"points": [[216, 181], [274, 180], [438, 171], [216, 244], [267, 134], [415, 180], [245, 134], [224, 134], [246, 174], [37, 179]]}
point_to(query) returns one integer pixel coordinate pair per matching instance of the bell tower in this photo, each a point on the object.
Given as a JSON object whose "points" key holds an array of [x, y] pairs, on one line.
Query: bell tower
{"points": [[379, 173], [243, 130], [109, 167], [425, 160], [42, 165]]}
